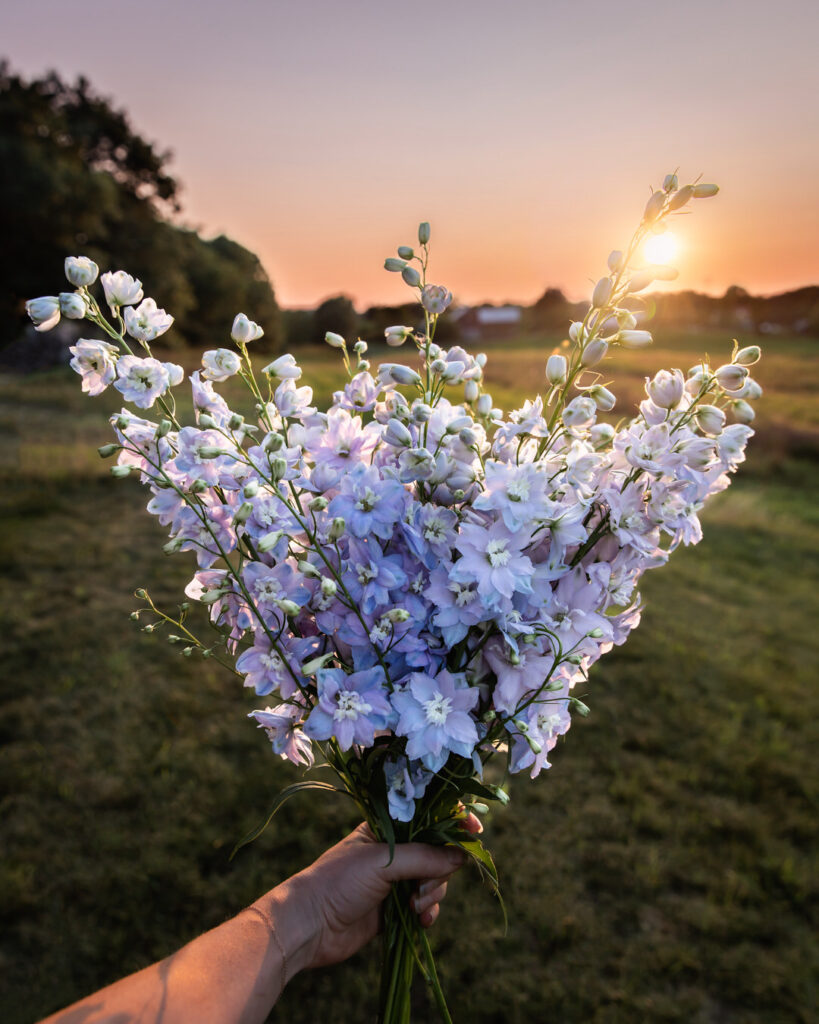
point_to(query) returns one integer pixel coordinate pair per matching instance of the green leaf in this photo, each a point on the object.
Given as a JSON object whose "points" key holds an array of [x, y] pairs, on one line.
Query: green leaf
{"points": [[280, 800]]}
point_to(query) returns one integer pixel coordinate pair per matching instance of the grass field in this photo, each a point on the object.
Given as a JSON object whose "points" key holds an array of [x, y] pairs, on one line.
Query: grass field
{"points": [[665, 869]]}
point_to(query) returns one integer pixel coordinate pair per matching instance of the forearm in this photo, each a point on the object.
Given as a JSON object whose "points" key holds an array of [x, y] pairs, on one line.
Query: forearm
{"points": [[232, 974]]}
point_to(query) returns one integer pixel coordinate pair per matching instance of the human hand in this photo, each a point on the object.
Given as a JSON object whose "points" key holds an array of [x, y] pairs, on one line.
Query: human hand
{"points": [[340, 894]]}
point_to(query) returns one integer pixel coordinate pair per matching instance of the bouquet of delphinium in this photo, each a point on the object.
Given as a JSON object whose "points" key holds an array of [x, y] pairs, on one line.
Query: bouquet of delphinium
{"points": [[413, 580]]}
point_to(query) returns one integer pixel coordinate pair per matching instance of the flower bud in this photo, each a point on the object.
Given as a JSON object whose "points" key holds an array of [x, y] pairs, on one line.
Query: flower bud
{"points": [[423, 232], [557, 369], [626, 320], [731, 377], [335, 340], [120, 471], [458, 423], [244, 330], [44, 312], [290, 608], [680, 198], [397, 615], [284, 367], [666, 388], [748, 356], [308, 569], [654, 207], [81, 271], [670, 183], [594, 352], [242, 513], [579, 412], [328, 587], [633, 339], [710, 419], [468, 436], [642, 279], [480, 359], [272, 443], [251, 489], [360, 347], [616, 259], [206, 421], [602, 292], [421, 412], [318, 504], [405, 252], [577, 332], [750, 390], [603, 398], [452, 370], [337, 528], [269, 541], [471, 391], [484, 405], [121, 289], [743, 413], [705, 191], [397, 434], [397, 335], [107, 450], [411, 276], [72, 305], [601, 434], [163, 428], [235, 421], [402, 374], [581, 708], [393, 265], [309, 668], [198, 486], [209, 451], [278, 467]]}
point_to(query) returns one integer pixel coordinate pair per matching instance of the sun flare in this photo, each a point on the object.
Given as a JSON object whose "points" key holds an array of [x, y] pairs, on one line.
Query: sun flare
{"points": [[661, 248]]}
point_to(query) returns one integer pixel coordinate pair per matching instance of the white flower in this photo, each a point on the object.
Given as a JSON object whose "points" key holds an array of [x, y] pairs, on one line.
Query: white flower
{"points": [[284, 367], [581, 411], [95, 361], [146, 322], [121, 289], [556, 369], [666, 389], [44, 312], [81, 271], [731, 377], [435, 298], [334, 340], [219, 364], [634, 339], [244, 330], [594, 352], [73, 305], [710, 419], [396, 335]]}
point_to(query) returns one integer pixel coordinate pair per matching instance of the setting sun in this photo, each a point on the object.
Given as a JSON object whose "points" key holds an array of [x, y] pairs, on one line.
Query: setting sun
{"points": [[661, 248]]}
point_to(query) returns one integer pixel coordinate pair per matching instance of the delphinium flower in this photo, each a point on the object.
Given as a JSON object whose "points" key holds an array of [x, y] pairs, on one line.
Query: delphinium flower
{"points": [[417, 581]]}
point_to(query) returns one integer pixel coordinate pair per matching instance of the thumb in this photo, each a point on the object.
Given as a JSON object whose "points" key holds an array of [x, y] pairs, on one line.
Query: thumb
{"points": [[418, 860]]}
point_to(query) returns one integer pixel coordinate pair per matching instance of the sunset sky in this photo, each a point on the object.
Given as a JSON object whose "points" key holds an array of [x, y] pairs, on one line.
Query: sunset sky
{"points": [[319, 133]]}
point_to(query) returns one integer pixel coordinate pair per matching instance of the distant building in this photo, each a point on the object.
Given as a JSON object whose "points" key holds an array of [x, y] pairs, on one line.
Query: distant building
{"points": [[479, 322]]}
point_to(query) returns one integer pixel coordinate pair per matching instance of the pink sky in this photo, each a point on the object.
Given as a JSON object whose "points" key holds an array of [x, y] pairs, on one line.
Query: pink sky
{"points": [[318, 134]]}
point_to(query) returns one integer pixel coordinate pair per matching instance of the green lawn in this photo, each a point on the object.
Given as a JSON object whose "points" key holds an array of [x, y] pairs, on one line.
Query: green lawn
{"points": [[665, 869]]}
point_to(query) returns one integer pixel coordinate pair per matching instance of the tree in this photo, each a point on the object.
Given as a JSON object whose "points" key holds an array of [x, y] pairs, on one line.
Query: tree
{"points": [[338, 315], [76, 178]]}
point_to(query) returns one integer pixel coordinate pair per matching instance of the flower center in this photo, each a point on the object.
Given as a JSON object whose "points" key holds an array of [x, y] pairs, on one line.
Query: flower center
{"points": [[548, 724], [497, 553], [350, 705], [518, 490], [365, 574], [367, 501], [271, 661], [437, 709]]}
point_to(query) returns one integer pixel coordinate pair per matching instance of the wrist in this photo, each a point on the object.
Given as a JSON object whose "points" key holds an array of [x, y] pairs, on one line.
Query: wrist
{"points": [[293, 925]]}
